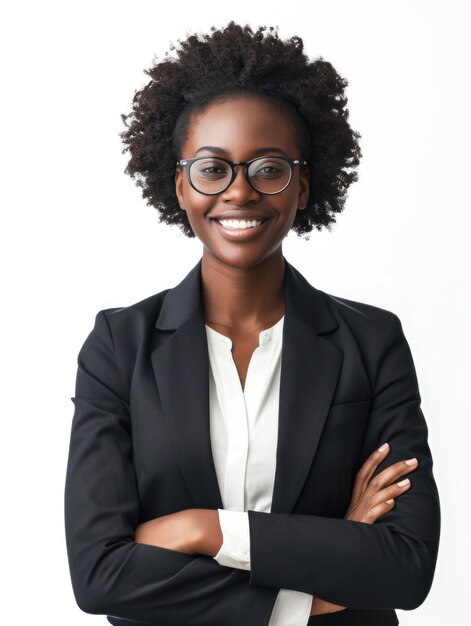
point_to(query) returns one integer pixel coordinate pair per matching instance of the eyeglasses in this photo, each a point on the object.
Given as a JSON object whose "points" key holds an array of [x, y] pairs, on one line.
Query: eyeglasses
{"points": [[213, 175]]}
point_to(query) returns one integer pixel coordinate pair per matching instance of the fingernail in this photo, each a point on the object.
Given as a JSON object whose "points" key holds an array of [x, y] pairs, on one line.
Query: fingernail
{"points": [[383, 447], [412, 461], [403, 483], [390, 501]]}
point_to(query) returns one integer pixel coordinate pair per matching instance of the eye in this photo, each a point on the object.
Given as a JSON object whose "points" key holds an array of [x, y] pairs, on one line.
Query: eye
{"points": [[209, 168], [270, 169]]}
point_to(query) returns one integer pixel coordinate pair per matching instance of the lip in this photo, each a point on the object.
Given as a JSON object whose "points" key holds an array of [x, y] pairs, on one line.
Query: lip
{"points": [[241, 234]]}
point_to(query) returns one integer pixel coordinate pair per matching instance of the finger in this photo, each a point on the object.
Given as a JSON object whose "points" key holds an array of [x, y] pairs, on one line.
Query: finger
{"points": [[389, 476], [378, 510], [367, 469], [394, 472], [392, 491]]}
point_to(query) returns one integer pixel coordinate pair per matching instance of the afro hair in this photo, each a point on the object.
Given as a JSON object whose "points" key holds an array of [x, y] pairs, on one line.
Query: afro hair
{"points": [[232, 60]]}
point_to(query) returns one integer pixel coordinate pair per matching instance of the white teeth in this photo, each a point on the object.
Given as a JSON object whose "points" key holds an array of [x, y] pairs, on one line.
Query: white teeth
{"points": [[240, 223]]}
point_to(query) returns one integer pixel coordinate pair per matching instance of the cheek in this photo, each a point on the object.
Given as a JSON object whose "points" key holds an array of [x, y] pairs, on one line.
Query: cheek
{"points": [[198, 206], [287, 205], [194, 203]]}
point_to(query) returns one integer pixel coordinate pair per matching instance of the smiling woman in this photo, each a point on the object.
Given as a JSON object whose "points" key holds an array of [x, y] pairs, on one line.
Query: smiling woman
{"points": [[238, 440]]}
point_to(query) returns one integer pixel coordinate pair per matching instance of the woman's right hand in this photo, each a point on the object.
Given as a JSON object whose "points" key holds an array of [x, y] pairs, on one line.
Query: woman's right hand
{"points": [[371, 498]]}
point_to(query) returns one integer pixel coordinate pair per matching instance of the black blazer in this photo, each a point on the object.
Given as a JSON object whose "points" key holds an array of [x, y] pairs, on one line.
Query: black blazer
{"points": [[140, 448]]}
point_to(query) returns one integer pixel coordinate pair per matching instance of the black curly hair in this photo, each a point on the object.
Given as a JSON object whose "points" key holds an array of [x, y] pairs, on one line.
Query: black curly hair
{"points": [[236, 59]]}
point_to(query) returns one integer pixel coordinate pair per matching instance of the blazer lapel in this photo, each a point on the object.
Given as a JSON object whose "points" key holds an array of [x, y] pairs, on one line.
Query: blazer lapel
{"points": [[309, 372], [181, 367], [310, 368]]}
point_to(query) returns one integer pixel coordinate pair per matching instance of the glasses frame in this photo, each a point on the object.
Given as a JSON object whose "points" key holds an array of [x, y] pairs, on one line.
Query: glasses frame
{"points": [[186, 164]]}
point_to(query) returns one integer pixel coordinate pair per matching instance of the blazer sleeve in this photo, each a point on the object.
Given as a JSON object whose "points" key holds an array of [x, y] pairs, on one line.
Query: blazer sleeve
{"points": [[391, 563], [111, 574]]}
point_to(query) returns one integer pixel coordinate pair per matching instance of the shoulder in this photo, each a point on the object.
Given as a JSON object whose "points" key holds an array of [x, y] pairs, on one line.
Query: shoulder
{"points": [[167, 307], [367, 322], [136, 318], [327, 311], [357, 311]]}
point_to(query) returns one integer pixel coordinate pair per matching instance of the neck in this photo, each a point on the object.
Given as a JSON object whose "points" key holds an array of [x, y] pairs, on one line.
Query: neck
{"points": [[243, 299]]}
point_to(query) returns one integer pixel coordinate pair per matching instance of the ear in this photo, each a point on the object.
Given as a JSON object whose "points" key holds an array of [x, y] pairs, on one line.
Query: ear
{"points": [[179, 187], [303, 196]]}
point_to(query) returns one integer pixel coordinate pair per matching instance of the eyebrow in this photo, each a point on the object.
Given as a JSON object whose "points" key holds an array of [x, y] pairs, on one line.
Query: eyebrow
{"points": [[222, 151]]}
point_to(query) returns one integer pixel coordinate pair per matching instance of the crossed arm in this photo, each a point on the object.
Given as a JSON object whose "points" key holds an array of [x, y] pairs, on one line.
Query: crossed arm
{"points": [[192, 531], [197, 531], [386, 565]]}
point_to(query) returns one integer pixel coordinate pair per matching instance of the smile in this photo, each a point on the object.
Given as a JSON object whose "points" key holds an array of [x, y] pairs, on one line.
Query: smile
{"points": [[240, 223], [241, 229]]}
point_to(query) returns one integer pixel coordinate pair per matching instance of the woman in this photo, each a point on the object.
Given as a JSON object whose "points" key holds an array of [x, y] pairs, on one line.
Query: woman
{"points": [[226, 463]]}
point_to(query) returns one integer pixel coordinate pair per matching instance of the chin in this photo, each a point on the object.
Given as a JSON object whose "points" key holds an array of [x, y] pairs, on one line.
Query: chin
{"points": [[241, 260]]}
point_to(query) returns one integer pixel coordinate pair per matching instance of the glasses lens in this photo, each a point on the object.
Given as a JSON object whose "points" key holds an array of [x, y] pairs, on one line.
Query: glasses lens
{"points": [[210, 175], [269, 174]]}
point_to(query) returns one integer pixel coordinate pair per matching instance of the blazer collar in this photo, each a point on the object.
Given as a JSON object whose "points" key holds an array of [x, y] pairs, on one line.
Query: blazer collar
{"points": [[310, 367], [302, 300]]}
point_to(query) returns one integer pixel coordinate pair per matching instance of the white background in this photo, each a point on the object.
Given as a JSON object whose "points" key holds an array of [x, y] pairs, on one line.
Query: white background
{"points": [[77, 236]]}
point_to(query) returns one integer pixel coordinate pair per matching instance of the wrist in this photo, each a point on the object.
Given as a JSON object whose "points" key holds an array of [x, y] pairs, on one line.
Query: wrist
{"points": [[209, 537]]}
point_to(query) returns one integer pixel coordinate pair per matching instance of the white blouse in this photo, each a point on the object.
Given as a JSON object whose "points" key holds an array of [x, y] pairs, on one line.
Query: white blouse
{"points": [[244, 431]]}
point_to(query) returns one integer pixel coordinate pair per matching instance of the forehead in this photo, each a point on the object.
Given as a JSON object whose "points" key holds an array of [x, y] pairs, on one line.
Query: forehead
{"points": [[240, 125]]}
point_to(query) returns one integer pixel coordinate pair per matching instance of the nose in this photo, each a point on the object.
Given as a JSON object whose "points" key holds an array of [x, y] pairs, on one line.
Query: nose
{"points": [[239, 191]]}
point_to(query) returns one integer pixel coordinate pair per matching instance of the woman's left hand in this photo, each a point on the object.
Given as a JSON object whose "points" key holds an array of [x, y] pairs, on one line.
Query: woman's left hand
{"points": [[192, 531]]}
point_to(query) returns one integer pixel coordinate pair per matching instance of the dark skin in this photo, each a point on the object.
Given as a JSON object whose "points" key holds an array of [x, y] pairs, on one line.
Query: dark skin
{"points": [[242, 285], [242, 281]]}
